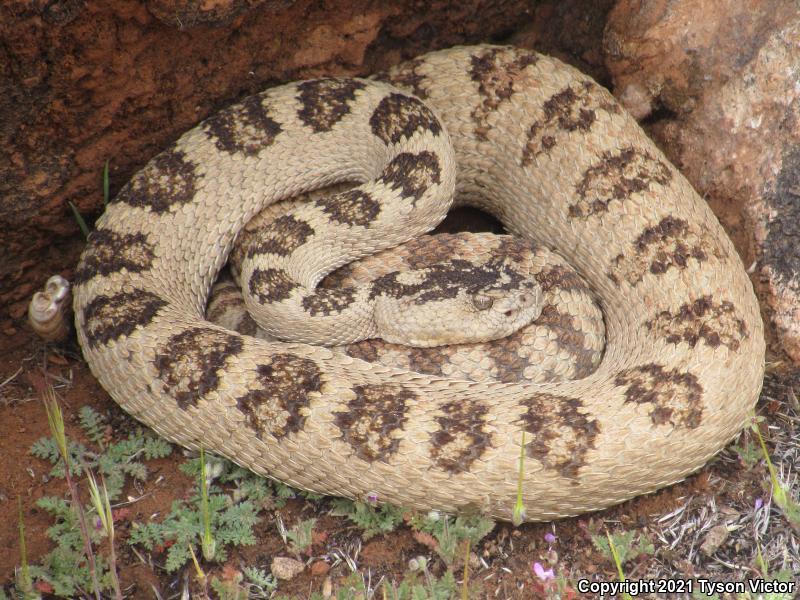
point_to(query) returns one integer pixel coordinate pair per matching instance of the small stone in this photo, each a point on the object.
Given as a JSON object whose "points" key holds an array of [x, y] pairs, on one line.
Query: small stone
{"points": [[320, 568], [286, 568], [714, 539], [327, 588]]}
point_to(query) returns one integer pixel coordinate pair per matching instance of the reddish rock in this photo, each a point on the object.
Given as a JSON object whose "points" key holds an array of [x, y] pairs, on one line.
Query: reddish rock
{"points": [[723, 80], [663, 54], [320, 568], [85, 82]]}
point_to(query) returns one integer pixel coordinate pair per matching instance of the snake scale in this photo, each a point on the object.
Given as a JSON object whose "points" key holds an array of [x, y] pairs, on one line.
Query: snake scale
{"points": [[534, 142]]}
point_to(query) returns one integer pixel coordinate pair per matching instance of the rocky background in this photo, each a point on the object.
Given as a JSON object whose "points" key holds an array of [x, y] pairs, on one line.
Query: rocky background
{"points": [[715, 82]]}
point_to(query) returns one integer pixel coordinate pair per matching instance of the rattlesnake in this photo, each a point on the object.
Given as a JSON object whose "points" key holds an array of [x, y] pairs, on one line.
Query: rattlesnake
{"points": [[537, 144]]}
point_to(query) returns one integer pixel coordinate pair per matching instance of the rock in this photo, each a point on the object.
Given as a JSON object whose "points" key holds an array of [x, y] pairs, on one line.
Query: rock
{"points": [[778, 236], [722, 76], [715, 537], [286, 568], [119, 80], [320, 568], [571, 30], [667, 53]]}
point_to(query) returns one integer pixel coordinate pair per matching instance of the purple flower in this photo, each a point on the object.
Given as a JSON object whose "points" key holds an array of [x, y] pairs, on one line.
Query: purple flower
{"points": [[759, 502], [541, 573], [372, 498], [549, 538]]}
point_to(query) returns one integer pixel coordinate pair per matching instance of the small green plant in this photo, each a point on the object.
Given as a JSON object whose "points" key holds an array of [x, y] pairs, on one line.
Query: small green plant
{"points": [[113, 462], [352, 588], [425, 587], [301, 536], [230, 520], [102, 505], [72, 568], [229, 589], [85, 229], [249, 584], [24, 581], [55, 419], [65, 569], [209, 545], [780, 493], [465, 583], [259, 583], [374, 520], [518, 514], [79, 218], [749, 453], [622, 546], [618, 563], [106, 186], [451, 533]]}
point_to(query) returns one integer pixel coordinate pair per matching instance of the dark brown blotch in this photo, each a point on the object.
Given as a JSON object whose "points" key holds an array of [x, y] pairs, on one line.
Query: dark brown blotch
{"points": [[560, 277], [514, 249], [618, 175], [373, 418], [714, 323], [675, 396], [562, 434], [191, 362], [461, 438], [326, 101], [668, 244], [168, 180], [286, 385], [406, 76], [281, 237], [571, 338], [574, 108], [427, 250], [108, 318], [271, 285], [445, 281], [428, 361], [110, 252], [399, 116], [509, 363], [496, 71], [328, 301], [412, 174], [366, 350], [244, 128], [353, 207]]}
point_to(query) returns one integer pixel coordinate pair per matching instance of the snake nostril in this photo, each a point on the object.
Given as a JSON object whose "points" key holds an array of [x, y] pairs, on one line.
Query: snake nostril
{"points": [[508, 313]]}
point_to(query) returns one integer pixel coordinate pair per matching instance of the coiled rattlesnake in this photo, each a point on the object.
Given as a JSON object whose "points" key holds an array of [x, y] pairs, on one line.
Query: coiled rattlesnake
{"points": [[540, 146]]}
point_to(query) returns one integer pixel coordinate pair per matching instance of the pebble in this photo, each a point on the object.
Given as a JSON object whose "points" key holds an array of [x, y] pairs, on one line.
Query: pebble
{"points": [[286, 568], [715, 537]]}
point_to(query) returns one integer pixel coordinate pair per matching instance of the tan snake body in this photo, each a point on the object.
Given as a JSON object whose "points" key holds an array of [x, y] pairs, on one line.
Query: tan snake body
{"points": [[537, 144]]}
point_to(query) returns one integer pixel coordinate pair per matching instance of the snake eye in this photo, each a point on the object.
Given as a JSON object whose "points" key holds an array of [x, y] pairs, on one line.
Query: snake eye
{"points": [[482, 302]]}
